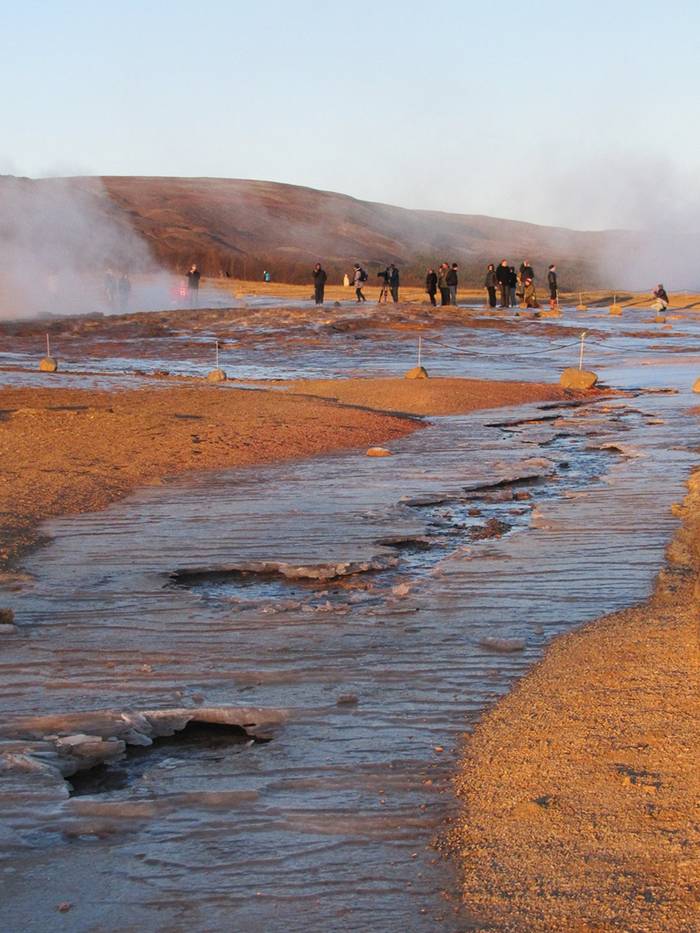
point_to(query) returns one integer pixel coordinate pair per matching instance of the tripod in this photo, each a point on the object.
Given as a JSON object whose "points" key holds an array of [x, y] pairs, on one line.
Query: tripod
{"points": [[384, 293]]}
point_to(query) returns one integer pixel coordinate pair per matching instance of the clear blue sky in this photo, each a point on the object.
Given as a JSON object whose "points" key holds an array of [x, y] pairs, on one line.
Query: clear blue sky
{"points": [[555, 112]]}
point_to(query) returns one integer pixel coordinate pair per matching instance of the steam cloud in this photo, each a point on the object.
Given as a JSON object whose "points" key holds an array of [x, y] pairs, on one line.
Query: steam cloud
{"points": [[649, 208], [57, 239]]}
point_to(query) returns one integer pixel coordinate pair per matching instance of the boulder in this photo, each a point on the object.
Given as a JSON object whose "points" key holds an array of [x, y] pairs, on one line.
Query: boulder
{"points": [[418, 372], [7, 617], [696, 385], [48, 364], [616, 310], [578, 379], [378, 452], [216, 375]]}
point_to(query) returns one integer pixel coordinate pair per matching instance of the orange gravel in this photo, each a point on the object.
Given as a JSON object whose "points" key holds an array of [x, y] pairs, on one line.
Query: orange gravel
{"points": [[581, 788]]}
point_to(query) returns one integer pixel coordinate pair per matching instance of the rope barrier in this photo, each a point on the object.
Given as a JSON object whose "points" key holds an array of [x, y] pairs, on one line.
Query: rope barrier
{"points": [[617, 349], [447, 346]]}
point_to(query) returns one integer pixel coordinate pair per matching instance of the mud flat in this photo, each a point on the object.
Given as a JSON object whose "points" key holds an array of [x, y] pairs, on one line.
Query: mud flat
{"points": [[580, 789]]}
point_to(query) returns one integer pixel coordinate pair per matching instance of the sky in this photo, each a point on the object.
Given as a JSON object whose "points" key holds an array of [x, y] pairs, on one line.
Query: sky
{"points": [[579, 113]]}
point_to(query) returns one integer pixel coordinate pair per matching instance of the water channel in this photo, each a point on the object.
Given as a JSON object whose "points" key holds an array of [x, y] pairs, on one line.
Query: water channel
{"points": [[362, 612]]}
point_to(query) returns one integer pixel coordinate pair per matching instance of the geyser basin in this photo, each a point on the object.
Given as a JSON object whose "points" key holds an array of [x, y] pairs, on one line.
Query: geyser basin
{"points": [[325, 821]]}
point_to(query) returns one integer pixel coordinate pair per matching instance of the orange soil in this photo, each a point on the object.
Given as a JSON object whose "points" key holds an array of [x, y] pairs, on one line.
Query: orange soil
{"points": [[580, 789]]}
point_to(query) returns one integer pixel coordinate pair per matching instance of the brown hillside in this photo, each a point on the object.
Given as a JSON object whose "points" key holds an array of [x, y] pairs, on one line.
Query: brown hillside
{"points": [[237, 227]]}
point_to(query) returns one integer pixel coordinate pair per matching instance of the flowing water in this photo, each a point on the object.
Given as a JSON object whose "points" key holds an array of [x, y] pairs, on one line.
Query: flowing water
{"points": [[319, 635]]}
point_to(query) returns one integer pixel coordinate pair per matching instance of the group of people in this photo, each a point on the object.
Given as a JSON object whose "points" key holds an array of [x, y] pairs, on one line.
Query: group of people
{"points": [[502, 281], [518, 288], [390, 278], [445, 280], [117, 287]]}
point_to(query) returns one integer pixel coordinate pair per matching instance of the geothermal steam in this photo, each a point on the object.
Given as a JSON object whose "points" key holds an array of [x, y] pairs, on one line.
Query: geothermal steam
{"points": [[58, 238]]}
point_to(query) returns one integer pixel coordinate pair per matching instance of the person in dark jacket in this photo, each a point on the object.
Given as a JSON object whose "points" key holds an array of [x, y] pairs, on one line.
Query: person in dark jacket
{"points": [[431, 285], [320, 279], [193, 277], [394, 282], [490, 284], [359, 277], [512, 287], [502, 275], [553, 289], [452, 280], [526, 271], [384, 276], [443, 269], [661, 299]]}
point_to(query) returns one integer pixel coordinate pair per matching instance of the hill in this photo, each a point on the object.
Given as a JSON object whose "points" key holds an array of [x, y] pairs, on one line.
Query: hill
{"points": [[241, 227], [237, 228]]}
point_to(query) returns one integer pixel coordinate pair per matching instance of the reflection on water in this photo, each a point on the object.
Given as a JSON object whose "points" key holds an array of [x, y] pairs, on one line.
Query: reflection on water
{"points": [[482, 533]]}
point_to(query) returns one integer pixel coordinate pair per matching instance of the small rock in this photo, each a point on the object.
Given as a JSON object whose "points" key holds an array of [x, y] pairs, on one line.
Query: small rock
{"points": [[696, 385], [418, 372], [347, 699], [48, 365], [439, 749], [505, 645], [578, 378], [494, 528], [7, 617], [64, 906], [216, 375], [378, 452]]}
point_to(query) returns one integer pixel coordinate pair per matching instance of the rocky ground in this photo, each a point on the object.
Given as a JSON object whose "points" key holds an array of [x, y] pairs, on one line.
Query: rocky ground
{"points": [[580, 789]]}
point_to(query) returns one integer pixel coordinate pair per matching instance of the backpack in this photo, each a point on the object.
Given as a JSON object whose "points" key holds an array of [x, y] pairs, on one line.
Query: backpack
{"points": [[363, 275]]}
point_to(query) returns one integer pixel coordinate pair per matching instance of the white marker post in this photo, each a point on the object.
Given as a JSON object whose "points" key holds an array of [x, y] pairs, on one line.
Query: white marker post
{"points": [[420, 350], [580, 356], [216, 375]]}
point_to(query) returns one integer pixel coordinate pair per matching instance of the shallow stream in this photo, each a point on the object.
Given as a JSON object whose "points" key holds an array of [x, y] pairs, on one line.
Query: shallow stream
{"points": [[363, 612]]}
